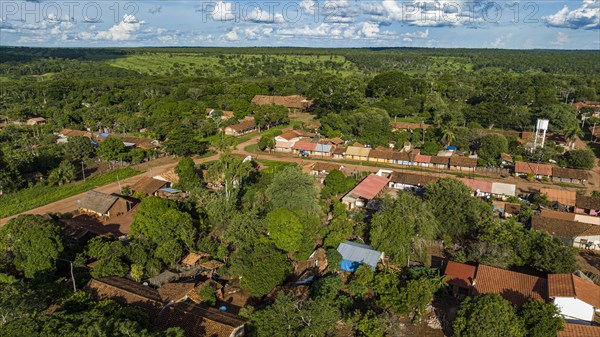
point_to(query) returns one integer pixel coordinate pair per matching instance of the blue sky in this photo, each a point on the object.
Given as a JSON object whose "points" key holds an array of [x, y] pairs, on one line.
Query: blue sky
{"points": [[303, 23]]}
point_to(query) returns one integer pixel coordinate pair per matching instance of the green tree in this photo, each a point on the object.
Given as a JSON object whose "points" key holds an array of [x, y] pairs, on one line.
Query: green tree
{"points": [[265, 143], [327, 288], [386, 287], [111, 149], [580, 159], [285, 229], [182, 141], [361, 280], [488, 315], [335, 183], [32, 243], [402, 226], [79, 148], [231, 171], [550, 254], [293, 189], [571, 134], [416, 295], [541, 319], [64, 173], [262, 268], [491, 146], [449, 131], [208, 294], [267, 116], [367, 325], [448, 195], [188, 177], [288, 317]]}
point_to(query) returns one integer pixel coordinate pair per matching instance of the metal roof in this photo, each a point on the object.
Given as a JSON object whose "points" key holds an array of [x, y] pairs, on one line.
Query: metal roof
{"points": [[357, 252], [504, 189], [358, 151]]}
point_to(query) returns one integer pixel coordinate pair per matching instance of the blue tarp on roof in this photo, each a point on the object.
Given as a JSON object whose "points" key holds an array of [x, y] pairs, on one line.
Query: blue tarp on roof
{"points": [[170, 190], [349, 266], [451, 148], [359, 254]]}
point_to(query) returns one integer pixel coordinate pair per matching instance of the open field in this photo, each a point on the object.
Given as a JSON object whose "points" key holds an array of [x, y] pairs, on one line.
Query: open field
{"points": [[232, 65], [40, 195]]}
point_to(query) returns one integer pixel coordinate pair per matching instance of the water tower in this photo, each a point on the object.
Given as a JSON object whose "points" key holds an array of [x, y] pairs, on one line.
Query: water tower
{"points": [[540, 133]]}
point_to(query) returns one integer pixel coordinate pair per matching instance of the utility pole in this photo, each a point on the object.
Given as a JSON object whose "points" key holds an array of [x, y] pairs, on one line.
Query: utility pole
{"points": [[119, 182], [593, 132], [83, 170]]}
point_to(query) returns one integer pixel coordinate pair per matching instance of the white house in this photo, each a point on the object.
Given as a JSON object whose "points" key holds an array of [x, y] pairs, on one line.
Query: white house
{"points": [[576, 298]]}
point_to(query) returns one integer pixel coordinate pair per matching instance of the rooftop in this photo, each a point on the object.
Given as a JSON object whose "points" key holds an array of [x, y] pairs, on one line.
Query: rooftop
{"points": [[98, 202], [358, 151], [587, 202], [148, 185], [533, 168], [292, 102], [562, 196], [370, 186], [564, 228], [515, 287], [569, 285], [580, 330], [570, 173], [460, 274], [357, 252], [243, 126]]}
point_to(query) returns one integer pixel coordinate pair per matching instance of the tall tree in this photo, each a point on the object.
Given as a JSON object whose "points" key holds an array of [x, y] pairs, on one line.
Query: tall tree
{"points": [[262, 267], [182, 141], [111, 149], [285, 229], [188, 176], [32, 243], [401, 228], [541, 319], [456, 209], [293, 189], [488, 315]]}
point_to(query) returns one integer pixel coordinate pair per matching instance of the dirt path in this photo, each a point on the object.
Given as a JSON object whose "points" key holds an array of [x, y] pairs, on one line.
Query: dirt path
{"points": [[152, 168]]}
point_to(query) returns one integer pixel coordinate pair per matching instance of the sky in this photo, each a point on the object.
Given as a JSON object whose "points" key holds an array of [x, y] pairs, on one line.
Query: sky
{"points": [[546, 24]]}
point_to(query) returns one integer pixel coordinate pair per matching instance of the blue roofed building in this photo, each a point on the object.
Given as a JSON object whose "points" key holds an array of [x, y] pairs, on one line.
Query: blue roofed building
{"points": [[355, 254]]}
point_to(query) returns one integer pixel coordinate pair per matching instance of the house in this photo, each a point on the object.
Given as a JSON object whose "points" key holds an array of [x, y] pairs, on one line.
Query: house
{"points": [[587, 205], [461, 277], [576, 298], [422, 160], [148, 186], [481, 188], [503, 190], [284, 146], [580, 330], [195, 320], [290, 136], [459, 163], [37, 121], [410, 181], [366, 191], [320, 168], [323, 150], [439, 162], [539, 171], [568, 175], [104, 205], [357, 153], [381, 156], [304, 148], [241, 128], [572, 233], [139, 142], [337, 141], [339, 152], [507, 159], [355, 254], [592, 220], [294, 103], [515, 287], [563, 197], [191, 260], [406, 126], [64, 134], [225, 114], [404, 158], [506, 209], [170, 193]]}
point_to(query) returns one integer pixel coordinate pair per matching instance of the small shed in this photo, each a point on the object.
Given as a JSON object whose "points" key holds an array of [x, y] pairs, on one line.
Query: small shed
{"points": [[355, 254]]}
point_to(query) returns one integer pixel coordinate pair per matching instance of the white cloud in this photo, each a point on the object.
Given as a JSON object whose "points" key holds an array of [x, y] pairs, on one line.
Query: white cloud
{"points": [[123, 31], [223, 11], [428, 13], [500, 41], [561, 39], [231, 36], [258, 15], [585, 17]]}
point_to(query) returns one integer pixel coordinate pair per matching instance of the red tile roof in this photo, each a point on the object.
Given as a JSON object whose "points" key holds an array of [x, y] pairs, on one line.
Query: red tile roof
{"points": [[460, 274], [421, 158], [463, 161], [533, 168], [305, 146], [370, 186], [478, 185], [569, 285], [515, 287], [289, 135], [580, 330], [562, 196]]}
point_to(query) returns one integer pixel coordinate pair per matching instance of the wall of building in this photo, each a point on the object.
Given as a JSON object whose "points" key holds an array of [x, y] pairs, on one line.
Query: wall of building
{"points": [[574, 309]]}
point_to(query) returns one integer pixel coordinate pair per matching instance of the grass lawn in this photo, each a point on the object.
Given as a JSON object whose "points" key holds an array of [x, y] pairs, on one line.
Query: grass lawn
{"points": [[41, 195]]}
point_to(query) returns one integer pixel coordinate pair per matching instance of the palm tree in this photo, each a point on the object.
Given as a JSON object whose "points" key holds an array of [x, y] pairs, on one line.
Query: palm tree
{"points": [[448, 133], [571, 134]]}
